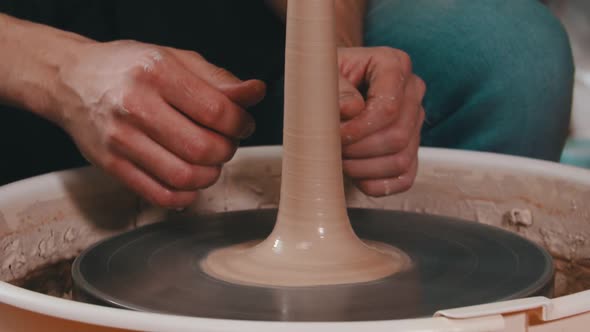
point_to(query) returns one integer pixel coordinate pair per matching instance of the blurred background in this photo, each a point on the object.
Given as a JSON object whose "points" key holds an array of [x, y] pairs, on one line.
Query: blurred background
{"points": [[575, 15]]}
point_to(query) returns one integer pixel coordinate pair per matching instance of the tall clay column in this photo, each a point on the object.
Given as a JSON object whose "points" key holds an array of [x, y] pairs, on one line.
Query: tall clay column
{"points": [[313, 242], [312, 190]]}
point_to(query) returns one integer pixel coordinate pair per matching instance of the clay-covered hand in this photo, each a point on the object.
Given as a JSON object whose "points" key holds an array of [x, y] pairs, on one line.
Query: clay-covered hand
{"points": [[382, 115], [161, 120]]}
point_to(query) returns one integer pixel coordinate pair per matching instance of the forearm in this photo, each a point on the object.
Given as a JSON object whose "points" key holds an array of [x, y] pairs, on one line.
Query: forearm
{"points": [[350, 16], [32, 55]]}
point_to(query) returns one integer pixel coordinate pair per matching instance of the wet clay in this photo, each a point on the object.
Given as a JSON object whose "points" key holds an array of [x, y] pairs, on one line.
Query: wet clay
{"points": [[313, 242]]}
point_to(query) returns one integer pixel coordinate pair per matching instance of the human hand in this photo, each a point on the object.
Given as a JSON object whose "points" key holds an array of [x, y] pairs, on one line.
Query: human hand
{"points": [[381, 130], [161, 120]]}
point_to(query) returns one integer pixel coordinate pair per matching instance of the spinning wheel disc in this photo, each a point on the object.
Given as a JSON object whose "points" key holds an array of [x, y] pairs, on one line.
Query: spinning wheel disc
{"points": [[455, 263]]}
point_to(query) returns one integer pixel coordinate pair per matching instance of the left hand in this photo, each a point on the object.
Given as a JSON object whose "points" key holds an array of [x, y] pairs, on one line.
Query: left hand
{"points": [[381, 130]]}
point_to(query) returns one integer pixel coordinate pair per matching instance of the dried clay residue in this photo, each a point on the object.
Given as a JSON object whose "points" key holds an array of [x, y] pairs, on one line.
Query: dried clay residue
{"points": [[54, 280], [3, 224], [13, 258], [571, 276]]}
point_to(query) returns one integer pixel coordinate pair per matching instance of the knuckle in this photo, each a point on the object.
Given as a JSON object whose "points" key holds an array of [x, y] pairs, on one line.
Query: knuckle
{"points": [[164, 198], [220, 73], [383, 50], [348, 94], [406, 183], [211, 152], [370, 188], [210, 176], [137, 73], [182, 177], [111, 163], [113, 98], [348, 168], [149, 64], [194, 54], [365, 187], [348, 151], [114, 137], [132, 106], [199, 151], [388, 56], [189, 87], [390, 109], [227, 151], [421, 86], [400, 138], [421, 116], [129, 100], [214, 111], [404, 59], [403, 162]]}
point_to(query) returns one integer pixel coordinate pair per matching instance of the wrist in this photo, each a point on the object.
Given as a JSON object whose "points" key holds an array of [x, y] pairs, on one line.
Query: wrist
{"points": [[35, 55], [57, 95]]}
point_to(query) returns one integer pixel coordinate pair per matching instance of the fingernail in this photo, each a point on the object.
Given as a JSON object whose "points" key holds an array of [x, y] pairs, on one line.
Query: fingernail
{"points": [[248, 130]]}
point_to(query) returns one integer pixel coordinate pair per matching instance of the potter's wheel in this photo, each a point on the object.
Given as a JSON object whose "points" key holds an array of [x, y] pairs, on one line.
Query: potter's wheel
{"points": [[456, 263]]}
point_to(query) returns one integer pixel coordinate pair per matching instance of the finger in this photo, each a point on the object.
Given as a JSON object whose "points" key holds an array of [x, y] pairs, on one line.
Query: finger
{"points": [[385, 166], [389, 186], [179, 135], [386, 78], [350, 99], [244, 93], [199, 66], [418, 88], [159, 163], [150, 189], [387, 73], [392, 139], [201, 102], [381, 109], [379, 114], [350, 67], [388, 141]]}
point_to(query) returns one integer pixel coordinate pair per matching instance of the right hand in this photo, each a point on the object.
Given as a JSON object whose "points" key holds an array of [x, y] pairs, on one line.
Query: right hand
{"points": [[161, 120]]}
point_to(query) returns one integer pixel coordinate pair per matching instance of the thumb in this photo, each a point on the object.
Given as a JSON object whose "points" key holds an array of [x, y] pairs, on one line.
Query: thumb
{"points": [[244, 93], [351, 101]]}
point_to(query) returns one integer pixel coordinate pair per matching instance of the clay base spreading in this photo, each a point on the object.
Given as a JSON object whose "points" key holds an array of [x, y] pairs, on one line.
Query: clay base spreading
{"points": [[454, 264], [267, 264]]}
